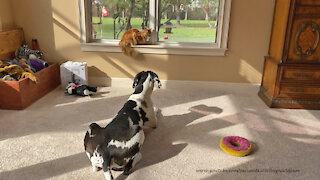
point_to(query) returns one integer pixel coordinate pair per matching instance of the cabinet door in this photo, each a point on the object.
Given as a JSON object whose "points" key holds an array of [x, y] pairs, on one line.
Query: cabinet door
{"points": [[304, 41]]}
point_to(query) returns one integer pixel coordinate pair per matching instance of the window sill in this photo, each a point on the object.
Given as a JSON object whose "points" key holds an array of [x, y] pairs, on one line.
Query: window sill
{"points": [[161, 48]]}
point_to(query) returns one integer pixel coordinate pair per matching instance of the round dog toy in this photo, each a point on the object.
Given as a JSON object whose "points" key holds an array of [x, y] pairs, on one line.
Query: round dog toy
{"points": [[236, 145]]}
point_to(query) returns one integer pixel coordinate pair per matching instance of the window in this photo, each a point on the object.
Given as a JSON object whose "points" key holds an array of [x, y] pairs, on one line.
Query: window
{"points": [[189, 27]]}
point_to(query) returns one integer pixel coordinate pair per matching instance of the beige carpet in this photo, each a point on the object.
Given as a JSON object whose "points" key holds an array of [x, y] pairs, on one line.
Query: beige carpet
{"points": [[45, 141]]}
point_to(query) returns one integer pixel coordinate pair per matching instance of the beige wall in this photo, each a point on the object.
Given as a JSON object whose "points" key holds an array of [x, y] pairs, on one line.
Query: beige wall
{"points": [[6, 14], [56, 26]]}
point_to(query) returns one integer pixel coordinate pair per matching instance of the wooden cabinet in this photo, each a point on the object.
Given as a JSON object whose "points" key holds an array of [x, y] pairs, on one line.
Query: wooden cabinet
{"points": [[291, 74]]}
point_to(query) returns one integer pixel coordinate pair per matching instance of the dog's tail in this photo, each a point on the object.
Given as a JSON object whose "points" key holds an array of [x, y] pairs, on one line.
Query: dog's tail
{"points": [[94, 129]]}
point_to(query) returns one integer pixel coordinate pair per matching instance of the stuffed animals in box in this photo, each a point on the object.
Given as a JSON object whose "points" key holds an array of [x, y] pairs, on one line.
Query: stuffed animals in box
{"points": [[25, 64], [80, 90], [37, 64], [16, 72], [31, 58], [26, 53]]}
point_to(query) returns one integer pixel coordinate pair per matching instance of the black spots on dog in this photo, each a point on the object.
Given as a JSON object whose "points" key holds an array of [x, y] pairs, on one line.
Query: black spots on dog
{"points": [[128, 106], [128, 112], [138, 82], [134, 116], [143, 115], [120, 154], [121, 133], [124, 149], [137, 79], [138, 89]]}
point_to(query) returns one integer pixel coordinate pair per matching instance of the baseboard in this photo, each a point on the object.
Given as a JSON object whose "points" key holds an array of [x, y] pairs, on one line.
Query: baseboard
{"points": [[99, 81], [127, 82]]}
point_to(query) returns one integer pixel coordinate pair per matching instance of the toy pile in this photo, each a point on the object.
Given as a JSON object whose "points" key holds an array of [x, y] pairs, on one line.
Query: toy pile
{"points": [[23, 66]]}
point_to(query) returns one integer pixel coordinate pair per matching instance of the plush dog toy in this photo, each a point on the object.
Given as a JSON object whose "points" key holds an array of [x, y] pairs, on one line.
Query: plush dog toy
{"points": [[26, 53], [80, 90]]}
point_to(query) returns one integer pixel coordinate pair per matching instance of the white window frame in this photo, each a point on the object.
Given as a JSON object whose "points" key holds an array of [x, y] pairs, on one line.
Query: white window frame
{"points": [[207, 49]]}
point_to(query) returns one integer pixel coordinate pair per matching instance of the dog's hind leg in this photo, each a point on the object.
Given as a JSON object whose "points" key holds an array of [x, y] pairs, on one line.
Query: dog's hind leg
{"points": [[137, 158], [108, 175], [106, 166], [132, 162]]}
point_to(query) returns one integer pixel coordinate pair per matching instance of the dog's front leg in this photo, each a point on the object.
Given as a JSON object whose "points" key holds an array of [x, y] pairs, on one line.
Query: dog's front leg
{"points": [[155, 111], [152, 118]]}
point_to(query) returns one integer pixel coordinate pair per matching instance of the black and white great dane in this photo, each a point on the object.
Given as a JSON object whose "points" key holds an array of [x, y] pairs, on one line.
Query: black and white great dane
{"points": [[117, 146]]}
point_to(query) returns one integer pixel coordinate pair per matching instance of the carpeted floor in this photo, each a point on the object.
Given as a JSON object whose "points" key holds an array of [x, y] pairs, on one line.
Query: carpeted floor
{"points": [[45, 141]]}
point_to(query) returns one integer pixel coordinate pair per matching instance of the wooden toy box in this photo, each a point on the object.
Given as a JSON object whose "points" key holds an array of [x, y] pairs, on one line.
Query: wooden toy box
{"points": [[20, 94]]}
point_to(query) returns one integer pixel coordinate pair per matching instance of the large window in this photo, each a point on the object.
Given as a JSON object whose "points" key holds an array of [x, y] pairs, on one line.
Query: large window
{"points": [[111, 18], [195, 27]]}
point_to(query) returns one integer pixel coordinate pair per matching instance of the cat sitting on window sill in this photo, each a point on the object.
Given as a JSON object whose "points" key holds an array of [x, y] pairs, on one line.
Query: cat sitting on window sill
{"points": [[133, 37]]}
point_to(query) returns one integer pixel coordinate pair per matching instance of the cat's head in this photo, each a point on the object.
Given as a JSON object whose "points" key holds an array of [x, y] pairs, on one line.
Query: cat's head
{"points": [[145, 32], [143, 36]]}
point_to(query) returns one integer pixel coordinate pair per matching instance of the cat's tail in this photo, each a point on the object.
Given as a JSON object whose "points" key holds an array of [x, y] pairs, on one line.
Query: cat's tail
{"points": [[123, 43], [127, 49]]}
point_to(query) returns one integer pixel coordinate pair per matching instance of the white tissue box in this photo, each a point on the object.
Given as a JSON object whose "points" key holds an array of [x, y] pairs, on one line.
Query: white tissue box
{"points": [[75, 72]]}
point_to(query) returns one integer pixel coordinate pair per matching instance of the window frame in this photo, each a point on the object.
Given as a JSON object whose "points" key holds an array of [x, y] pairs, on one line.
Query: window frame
{"points": [[179, 48]]}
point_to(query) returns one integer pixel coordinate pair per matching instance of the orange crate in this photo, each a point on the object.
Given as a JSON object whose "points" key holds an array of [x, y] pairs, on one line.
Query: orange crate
{"points": [[20, 94]]}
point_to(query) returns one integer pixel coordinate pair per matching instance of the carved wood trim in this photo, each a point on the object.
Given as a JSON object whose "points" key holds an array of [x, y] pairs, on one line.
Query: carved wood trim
{"points": [[302, 27]]}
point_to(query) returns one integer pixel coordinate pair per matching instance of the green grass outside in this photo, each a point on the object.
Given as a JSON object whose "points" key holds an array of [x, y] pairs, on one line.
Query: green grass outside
{"points": [[189, 31]]}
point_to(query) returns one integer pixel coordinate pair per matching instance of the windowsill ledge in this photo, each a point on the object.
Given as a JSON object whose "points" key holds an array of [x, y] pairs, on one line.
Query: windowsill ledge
{"points": [[161, 48]]}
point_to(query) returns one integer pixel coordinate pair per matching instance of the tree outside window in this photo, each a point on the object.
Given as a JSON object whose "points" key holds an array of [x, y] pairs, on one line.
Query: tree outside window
{"points": [[178, 20]]}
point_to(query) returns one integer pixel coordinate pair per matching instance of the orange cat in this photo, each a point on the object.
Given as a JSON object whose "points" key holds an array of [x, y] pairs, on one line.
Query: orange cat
{"points": [[131, 38]]}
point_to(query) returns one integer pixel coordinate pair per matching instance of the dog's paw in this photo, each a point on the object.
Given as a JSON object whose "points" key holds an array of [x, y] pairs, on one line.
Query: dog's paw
{"points": [[126, 172], [156, 110]]}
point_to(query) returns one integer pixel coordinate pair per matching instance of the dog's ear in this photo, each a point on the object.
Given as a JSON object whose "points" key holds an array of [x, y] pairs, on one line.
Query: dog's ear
{"points": [[137, 79], [155, 77], [159, 82], [94, 129]]}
